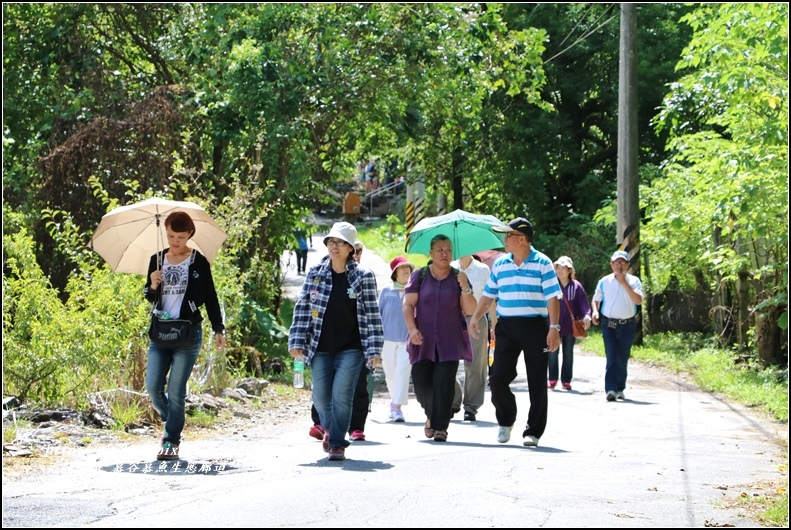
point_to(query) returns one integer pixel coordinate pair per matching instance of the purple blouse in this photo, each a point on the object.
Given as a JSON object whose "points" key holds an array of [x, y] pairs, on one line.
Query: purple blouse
{"points": [[440, 319], [578, 300]]}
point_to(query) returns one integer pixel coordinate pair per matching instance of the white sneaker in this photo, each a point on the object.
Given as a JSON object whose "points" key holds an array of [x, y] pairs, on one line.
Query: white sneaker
{"points": [[398, 416], [611, 395], [619, 395], [504, 434], [530, 441]]}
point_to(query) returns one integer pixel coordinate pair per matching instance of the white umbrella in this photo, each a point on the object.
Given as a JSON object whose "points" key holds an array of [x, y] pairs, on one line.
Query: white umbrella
{"points": [[129, 235]]}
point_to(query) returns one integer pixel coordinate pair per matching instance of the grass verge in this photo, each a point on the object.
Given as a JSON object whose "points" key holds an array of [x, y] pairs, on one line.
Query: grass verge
{"points": [[378, 238]]}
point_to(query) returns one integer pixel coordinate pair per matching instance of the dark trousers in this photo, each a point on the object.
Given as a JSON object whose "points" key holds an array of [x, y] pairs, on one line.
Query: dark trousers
{"points": [[435, 387], [302, 260], [360, 403], [514, 335]]}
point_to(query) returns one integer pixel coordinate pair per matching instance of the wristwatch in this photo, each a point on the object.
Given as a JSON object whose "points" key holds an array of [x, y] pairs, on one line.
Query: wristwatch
{"points": [[555, 326]]}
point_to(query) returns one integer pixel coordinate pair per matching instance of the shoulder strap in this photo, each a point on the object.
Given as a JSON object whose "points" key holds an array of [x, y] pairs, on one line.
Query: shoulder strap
{"points": [[569, 307], [421, 276], [424, 271]]}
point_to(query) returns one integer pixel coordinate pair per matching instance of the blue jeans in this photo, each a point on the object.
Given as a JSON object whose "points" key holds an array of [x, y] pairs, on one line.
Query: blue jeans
{"points": [[334, 379], [567, 371], [179, 362], [618, 348]]}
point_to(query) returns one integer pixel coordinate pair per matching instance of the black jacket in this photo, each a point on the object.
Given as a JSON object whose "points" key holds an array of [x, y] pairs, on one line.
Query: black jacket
{"points": [[200, 290]]}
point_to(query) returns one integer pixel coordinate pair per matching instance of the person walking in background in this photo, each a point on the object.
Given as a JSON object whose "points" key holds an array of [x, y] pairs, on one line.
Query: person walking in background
{"points": [[575, 306], [358, 251], [435, 301], [524, 283], [182, 284], [395, 359], [477, 371], [336, 327], [362, 397], [615, 302], [301, 250]]}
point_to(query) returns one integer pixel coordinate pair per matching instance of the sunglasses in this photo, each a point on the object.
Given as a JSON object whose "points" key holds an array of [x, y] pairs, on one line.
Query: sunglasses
{"points": [[358, 251]]}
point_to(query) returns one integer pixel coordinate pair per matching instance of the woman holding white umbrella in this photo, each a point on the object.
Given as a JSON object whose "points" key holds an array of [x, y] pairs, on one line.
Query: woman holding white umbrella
{"points": [[179, 282]]}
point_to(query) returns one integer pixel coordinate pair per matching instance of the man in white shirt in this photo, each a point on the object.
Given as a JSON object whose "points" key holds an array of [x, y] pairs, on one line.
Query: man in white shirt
{"points": [[615, 301], [476, 372]]}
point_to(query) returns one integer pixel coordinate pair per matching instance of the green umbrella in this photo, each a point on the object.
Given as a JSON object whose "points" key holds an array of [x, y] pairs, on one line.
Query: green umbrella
{"points": [[468, 232]]}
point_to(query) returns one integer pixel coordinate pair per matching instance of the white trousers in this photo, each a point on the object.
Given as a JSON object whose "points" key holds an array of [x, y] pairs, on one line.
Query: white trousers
{"points": [[395, 363]]}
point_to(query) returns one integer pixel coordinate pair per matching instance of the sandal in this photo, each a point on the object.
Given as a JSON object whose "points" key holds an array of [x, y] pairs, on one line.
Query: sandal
{"points": [[440, 436], [428, 431]]}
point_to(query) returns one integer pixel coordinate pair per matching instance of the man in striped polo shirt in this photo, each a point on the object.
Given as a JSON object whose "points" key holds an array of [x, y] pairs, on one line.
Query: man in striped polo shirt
{"points": [[527, 291]]}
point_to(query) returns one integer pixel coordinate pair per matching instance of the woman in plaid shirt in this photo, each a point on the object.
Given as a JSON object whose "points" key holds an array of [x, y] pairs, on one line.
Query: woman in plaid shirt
{"points": [[336, 327]]}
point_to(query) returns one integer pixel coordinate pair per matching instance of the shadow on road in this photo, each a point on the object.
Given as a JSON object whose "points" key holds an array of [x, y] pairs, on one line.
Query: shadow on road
{"points": [[365, 466]]}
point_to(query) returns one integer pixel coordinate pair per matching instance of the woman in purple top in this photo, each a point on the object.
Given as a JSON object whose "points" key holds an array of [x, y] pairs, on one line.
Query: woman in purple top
{"points": [[436, 301], [574, 294]]}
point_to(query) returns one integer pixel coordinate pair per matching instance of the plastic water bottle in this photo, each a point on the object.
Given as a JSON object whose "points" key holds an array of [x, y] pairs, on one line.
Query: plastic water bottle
{"points": [[299, 372]]}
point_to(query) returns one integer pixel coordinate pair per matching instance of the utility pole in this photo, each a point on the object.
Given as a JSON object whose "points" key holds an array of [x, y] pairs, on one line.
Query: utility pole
{"points": [[628, 227]]}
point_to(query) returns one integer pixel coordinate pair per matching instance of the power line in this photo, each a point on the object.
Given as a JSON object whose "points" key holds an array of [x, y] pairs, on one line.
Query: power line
{"points": [[586, 35], [590, 6]]}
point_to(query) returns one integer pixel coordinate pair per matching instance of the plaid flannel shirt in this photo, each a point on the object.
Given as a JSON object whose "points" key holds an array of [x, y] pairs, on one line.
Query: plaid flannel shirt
{"points": [[312, 303]]}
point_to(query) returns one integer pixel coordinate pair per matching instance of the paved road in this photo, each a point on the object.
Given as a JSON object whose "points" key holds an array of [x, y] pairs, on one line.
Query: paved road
{"points": [[669, 456]]}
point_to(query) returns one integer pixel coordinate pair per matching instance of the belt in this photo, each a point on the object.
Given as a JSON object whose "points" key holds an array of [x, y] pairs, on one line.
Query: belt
{"points": [[621, 321]]}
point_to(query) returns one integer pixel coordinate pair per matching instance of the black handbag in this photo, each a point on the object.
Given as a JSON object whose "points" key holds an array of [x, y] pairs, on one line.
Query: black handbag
{"points": [[171, 333]]}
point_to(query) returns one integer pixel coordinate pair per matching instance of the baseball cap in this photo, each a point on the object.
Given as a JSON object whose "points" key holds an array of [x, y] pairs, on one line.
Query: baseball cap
{"points": [[620, 254], [520, 224]]}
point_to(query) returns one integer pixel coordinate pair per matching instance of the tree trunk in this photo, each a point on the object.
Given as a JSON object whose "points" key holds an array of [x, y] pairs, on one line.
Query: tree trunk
{"points": [[767, 338], [718, 300], [647, 315], [743, 309], [456, 179]]}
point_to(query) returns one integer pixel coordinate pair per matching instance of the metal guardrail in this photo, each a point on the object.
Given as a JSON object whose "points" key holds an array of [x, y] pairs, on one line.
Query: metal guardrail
{"points": [[383, 189], [380, 191]]}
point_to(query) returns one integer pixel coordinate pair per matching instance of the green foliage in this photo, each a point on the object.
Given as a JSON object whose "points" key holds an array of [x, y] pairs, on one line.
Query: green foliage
{"points": [[589, 245], [52, 349], [717, 201], [9, 432], [271, 337], [126, 412], [201, 418], [776, 513], [553, 166], [258, 112]]}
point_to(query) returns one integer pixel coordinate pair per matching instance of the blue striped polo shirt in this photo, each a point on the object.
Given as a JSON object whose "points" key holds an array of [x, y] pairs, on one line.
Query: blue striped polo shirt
{"points": [[523, 291]]}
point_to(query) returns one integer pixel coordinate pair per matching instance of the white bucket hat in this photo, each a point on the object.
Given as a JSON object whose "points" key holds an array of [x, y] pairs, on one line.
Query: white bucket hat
{"points": [[565, 261], [344, 231]]}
